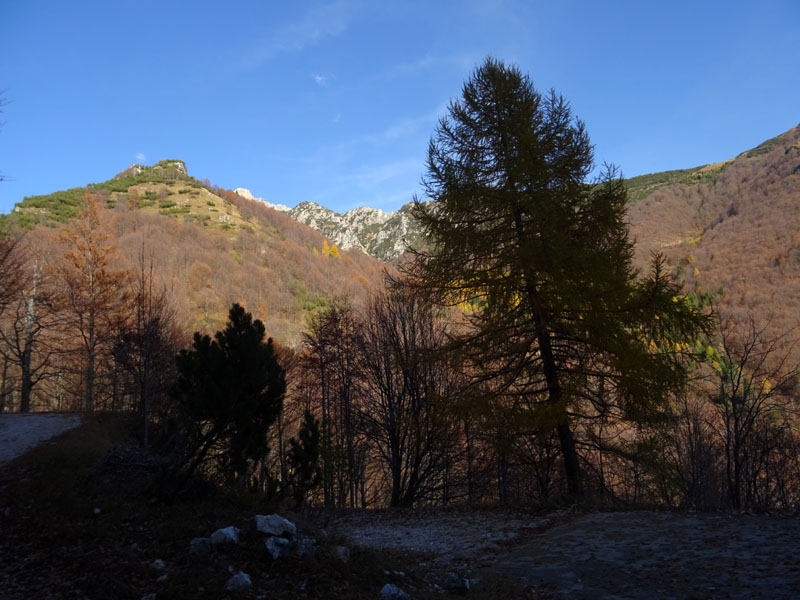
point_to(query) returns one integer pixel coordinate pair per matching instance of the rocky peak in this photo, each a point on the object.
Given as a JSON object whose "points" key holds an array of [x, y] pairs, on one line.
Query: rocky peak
{"points": [[245, 193], [384, 235]]}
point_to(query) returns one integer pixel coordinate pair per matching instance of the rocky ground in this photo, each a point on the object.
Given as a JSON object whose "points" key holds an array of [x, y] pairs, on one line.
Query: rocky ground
{"points": [[76, 521], [612, 555]]}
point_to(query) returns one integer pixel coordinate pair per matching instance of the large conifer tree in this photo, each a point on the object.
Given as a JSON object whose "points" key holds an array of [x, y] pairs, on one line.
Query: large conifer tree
{"points": [[542, 261]]}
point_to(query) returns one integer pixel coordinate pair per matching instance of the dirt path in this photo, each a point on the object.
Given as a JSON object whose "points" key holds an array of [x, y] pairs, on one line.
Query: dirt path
{"points": [[19, 433], [636, 555], [663, 555], [460, 538]]}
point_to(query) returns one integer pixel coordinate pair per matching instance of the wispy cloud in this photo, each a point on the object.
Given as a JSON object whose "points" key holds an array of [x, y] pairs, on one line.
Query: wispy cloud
{"points": [[459, 62], [381, 173], [319, 22], [321, 80], [339, 154], [140, 157]]}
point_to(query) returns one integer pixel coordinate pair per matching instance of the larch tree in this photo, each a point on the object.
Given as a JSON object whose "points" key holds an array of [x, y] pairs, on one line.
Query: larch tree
{"points": [[542, 259], [92, 290]]}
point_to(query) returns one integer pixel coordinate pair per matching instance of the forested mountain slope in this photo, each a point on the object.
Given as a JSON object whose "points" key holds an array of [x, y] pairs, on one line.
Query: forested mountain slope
{"points": [[735, 226], [731, 225], [211, 247]]}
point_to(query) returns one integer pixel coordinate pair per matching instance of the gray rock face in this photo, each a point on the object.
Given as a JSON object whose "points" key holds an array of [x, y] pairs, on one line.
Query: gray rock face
{"points": [[239, 581], [278, 547], [226, 535], [384, 235], [274, 525], [392, 592]]}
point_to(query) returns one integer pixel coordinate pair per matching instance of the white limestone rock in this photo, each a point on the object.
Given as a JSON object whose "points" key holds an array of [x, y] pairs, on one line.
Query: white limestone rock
{"points": [[226, 535], [238, 582], [278, 547], [274, 525], [245, 193], [392, 592]]}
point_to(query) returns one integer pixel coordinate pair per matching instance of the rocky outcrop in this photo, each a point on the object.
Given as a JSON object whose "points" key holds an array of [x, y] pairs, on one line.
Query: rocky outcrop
{"points": [[384, 235], [245, 193]]}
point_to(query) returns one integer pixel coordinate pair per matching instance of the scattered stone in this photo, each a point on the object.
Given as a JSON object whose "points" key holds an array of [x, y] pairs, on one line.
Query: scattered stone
{"points": [[96, 511], [239, 581], [392, 592], [278, 547], [342, 553], [454, 583], [149, 597], [226, 535], [162, 579], [159, 565], [200, 545], [274, 525]]}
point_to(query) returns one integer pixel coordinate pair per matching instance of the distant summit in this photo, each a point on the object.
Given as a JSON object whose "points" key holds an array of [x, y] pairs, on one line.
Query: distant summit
{"points": [[245, 193], [384, 235], [163, 168]]}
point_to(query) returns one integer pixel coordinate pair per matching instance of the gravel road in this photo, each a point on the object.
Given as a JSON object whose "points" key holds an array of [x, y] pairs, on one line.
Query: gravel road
{"points": [[612, 555], [19, 433], [649, 554]]}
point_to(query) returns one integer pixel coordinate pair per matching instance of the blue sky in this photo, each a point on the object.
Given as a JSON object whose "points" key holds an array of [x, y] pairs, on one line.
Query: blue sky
{"points": [[335, 102]]}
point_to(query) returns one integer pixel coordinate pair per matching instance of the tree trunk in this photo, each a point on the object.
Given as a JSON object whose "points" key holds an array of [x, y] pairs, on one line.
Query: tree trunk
{"points": [[550, 367], [30, 320], [555, 396]]}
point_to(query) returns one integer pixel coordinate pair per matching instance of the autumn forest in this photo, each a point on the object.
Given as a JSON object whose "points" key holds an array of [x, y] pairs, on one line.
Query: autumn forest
{"points": [[623, 342]]}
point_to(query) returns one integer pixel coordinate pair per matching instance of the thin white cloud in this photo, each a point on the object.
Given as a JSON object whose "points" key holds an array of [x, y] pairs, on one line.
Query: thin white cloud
{"points": [[319, 22], [379, 174], [459, 62], [140, 157], [321, 80], [339, 154]]}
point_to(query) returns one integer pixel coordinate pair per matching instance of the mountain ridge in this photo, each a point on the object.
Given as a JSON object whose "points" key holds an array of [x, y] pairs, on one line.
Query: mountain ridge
{"points": [[388, 235]]}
